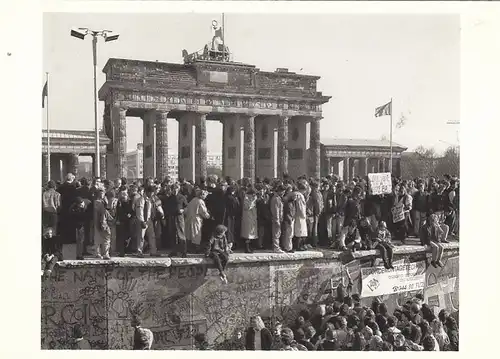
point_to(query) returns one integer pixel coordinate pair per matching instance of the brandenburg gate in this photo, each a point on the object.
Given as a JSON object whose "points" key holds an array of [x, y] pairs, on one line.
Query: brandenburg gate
{"points": [[251, 104]]}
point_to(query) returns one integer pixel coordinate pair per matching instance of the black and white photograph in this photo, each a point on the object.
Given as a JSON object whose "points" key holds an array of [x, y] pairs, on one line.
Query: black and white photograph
{"points": [[236, 182], [228, 180]]}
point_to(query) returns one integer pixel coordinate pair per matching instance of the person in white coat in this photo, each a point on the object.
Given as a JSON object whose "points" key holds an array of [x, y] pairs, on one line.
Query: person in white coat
{"points": [[196, 212], [249, 227], [300, 225]]}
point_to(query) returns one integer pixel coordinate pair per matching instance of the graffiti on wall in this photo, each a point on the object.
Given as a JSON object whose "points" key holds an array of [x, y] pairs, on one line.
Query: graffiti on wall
{"points": [[442, 285], [73, 298], [178, 302], [298, 287]]}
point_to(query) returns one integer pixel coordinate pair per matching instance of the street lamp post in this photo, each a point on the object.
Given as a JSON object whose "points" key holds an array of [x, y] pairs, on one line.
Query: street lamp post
{"points": [[108, 36]]}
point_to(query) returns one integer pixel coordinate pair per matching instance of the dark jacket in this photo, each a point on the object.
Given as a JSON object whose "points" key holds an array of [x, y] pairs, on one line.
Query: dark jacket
{"points": [[174, 204], [352, 211], [215, 204], [420, 201], [81, 216], [232, 204], [265, 336]]}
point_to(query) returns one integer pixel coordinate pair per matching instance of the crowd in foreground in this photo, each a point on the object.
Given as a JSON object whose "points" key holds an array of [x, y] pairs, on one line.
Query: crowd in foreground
{"points": [[342, 325], [218, 216]]}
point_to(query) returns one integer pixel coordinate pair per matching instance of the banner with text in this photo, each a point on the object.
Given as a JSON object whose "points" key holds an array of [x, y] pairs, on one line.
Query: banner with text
{"points": [[380, 183], [405, 277]]}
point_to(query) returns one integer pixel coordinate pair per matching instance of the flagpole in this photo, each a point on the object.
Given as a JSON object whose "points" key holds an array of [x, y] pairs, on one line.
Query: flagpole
{"points": [[390, 161], [48, 126]]}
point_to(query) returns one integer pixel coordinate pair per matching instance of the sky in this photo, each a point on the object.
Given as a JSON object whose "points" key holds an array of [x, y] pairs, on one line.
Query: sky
{"points": [[364, 60]]}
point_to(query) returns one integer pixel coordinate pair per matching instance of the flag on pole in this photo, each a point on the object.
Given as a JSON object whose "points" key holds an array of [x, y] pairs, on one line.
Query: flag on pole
{"points": [[45, 92], [384, 110]]}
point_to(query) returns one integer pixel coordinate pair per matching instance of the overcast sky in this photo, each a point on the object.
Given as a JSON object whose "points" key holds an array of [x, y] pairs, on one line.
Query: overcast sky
{"points": [[363, 61]]}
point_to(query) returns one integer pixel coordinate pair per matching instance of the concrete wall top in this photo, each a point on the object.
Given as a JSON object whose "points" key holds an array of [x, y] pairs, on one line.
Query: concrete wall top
{"points": [[239, 258]]}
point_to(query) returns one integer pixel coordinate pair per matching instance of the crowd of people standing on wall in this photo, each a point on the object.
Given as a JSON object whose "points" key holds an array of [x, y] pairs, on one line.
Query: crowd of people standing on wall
{"points": [[217, 216]]}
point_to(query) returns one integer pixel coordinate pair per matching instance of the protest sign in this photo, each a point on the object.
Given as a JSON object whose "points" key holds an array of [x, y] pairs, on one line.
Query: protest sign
{"points": [[378, 281], [380, 183], [398, 213]]}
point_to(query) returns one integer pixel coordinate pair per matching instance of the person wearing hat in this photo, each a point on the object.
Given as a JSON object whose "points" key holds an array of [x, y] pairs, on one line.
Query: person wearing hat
{"points": [[217, 249]]}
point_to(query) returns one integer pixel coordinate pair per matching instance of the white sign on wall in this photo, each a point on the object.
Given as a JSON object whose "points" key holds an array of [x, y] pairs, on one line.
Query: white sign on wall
{"points": [[380, 183], [378, 281]]}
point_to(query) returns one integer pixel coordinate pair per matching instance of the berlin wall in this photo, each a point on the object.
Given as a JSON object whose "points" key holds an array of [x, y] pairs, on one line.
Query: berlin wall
{"points": [[179, 298]]}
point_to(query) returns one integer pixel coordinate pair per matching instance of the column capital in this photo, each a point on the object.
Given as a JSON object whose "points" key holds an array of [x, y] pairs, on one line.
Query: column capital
{"points": [[162, 115]]}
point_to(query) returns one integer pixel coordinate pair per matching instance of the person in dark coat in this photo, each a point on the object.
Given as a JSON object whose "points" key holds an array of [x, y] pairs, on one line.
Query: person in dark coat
{"points": [[51, 251], [81, 215], [258, 337], [233, 210], [123, 222], [175, 205], [215, 206], [68, 193]]}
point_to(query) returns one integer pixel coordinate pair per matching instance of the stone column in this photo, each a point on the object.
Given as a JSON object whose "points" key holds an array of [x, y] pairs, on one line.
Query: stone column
{"points": [[363, 167], [186, 147], [103, 165], [282, 146], [298, 156], [382, 165], [264, 146], [347, 167], [161, 145], [200, 169], [119, 118], [352, 169], [249, 148], [334, 166], [72, 164], [232, 146], [314, 144], [148, 144], [45, 169]]}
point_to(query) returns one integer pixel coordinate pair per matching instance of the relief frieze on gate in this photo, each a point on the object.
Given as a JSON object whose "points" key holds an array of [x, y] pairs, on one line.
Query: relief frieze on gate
{"points": [[179, 100]]}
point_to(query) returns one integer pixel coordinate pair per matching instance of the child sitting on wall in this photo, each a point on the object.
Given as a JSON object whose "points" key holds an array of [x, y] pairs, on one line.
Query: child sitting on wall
{"points": [[218, 250], [51, 251], [383, 244]]}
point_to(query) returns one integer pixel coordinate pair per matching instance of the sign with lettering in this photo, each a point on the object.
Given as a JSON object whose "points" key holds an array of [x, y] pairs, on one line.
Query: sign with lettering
{"points": [[376, 281], [398, 213], [380, 183]]}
